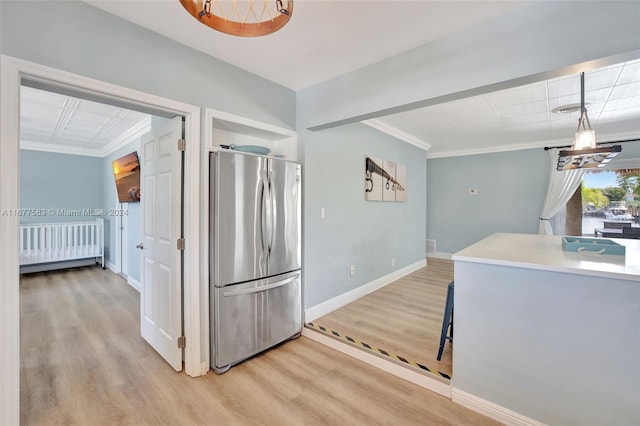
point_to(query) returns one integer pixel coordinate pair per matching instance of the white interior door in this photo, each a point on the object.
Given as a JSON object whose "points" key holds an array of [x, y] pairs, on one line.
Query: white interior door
{"points": [[160, 298]]}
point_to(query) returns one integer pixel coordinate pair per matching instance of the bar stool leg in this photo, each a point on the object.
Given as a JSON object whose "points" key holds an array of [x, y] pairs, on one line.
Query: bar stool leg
{"points": [[447, 321]]}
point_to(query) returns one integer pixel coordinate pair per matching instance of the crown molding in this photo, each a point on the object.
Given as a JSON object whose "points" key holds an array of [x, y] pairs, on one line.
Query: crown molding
{"points": [[520, 147], [490, 149], [396, 133], [143, 127], [58, 149]]}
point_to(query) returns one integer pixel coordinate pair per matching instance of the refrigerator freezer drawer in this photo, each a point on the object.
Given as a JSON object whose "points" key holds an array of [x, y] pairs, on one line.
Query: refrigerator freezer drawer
{"points": [[251, 317]]}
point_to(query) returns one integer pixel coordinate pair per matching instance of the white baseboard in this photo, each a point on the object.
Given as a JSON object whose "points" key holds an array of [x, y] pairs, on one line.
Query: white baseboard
{"points": [[439, 255], [112, 267], [337, 302], [492, 410], [390, 367], [135, 284]]}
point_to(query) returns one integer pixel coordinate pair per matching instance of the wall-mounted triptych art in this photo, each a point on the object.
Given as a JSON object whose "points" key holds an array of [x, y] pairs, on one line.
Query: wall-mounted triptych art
{"points": [[384, 180]]}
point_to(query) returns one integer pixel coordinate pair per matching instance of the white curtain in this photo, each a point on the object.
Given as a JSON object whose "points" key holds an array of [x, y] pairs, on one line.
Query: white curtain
{"points": [[562, 185]]}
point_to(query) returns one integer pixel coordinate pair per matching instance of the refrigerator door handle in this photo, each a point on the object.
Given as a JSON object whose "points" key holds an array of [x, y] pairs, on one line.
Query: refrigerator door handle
{"points": [[266, 212], [260, 289], [272, 206]]}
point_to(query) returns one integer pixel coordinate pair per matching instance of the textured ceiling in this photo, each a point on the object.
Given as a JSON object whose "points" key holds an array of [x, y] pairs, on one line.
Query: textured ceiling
{"points": [[54, 122], [521, 117]]}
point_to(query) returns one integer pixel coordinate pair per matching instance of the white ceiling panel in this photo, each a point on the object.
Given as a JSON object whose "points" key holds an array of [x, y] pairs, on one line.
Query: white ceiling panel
{"points": [[630, 73], [54, 122], [521, 117]]}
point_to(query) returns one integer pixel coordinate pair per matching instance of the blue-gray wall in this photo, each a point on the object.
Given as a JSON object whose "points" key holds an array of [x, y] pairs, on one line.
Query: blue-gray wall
{"points": [[367, 234], [109, 201], [74, 183], [76, 37], [511, 189], [53, 182], [528, 340]]}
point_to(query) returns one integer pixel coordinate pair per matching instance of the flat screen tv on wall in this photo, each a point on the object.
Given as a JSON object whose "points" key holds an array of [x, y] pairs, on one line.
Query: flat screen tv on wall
{"points": [[126, 171]]}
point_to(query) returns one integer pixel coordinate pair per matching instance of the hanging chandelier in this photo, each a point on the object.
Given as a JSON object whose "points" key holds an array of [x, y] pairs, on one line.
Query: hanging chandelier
{"points": [[244, 18], [584, 152]]}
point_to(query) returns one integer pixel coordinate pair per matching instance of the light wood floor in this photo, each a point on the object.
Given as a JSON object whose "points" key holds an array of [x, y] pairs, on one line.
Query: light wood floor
{"points": [[84, 362], [404, 317]]}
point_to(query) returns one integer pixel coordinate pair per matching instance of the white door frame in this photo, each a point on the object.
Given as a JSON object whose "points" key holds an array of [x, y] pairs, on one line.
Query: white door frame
{"points": [[12, 72]]}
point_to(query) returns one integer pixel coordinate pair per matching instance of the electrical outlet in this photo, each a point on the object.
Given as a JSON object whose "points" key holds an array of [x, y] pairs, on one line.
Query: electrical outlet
{"points": [[352, 271], [393, 261], [472, 191]]}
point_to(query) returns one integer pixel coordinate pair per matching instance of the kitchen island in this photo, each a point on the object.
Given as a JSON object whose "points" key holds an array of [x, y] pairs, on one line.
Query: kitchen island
{"points": [[545, 334]]}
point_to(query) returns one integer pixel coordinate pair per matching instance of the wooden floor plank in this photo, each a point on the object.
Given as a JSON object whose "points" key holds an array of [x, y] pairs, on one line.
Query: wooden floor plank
{"points": [[403, 318], [83, 362]]}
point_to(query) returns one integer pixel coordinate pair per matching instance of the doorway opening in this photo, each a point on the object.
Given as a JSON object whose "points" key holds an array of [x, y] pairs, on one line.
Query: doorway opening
{"points": [[70, 151], [67, 148], [16, 73]]}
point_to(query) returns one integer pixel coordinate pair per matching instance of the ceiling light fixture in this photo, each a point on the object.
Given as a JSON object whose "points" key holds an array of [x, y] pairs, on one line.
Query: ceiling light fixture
{"points": [[244, 18], [585, 137], [584, 153], [568, 108]]}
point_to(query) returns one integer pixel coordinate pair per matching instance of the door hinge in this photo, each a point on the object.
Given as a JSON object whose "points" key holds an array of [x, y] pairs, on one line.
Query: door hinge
{"points": [[181, 144], [182, 342], [181, 243]]}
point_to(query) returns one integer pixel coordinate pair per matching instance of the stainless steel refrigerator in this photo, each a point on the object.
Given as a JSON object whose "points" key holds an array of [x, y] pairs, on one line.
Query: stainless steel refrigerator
{"points": [[255, 255]]}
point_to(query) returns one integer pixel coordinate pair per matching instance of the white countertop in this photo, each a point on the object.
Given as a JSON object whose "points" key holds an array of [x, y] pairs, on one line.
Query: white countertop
{"points": [[545, 252]]}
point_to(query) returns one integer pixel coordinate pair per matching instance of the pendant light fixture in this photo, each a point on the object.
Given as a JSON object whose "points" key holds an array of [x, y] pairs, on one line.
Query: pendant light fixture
{"points": [[584, 152], [244, 18], [585, 137]]}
